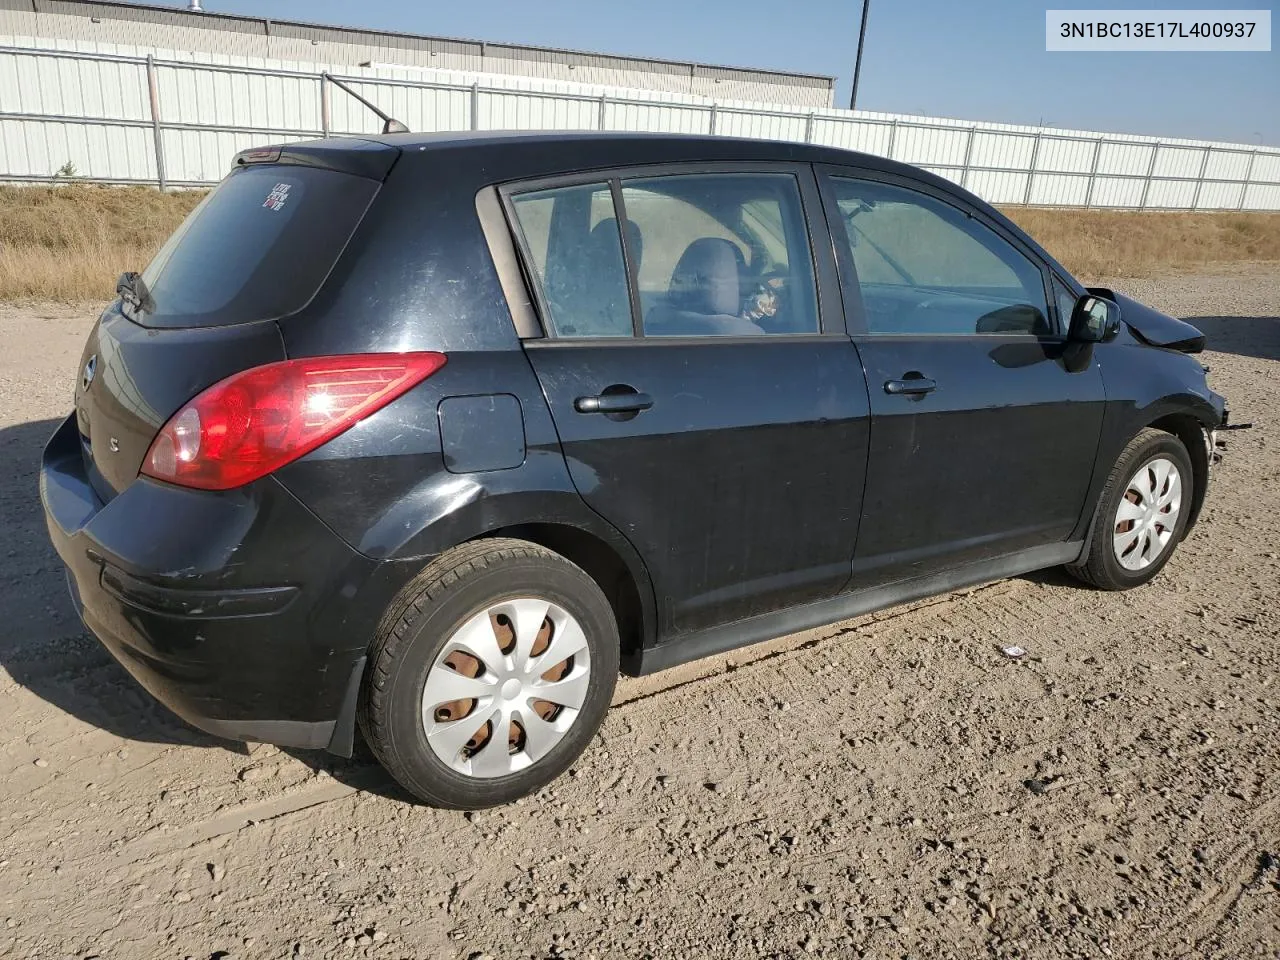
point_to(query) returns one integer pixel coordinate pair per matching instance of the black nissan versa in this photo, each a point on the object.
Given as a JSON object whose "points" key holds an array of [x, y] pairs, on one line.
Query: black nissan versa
{"points": [[436, 434]]}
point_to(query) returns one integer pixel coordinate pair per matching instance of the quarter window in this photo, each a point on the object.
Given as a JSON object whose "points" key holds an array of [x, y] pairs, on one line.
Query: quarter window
{"points": [[925, 267], [1066, 304], [721, 255]]}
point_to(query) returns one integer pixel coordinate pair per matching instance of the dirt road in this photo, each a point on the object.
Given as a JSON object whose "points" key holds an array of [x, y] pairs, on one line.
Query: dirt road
{"points": [[889, 787]]}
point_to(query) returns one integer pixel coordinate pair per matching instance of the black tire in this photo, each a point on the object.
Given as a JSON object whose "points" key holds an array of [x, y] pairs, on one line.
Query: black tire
{"points": [[1102, 569], [413, 632]]}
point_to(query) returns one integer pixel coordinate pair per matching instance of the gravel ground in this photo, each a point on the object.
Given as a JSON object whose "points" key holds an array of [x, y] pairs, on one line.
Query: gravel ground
{"points": [[886, 787]]}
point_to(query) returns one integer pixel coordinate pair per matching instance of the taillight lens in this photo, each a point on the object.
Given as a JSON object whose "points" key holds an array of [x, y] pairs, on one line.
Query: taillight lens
{"points": [[256, 421]]}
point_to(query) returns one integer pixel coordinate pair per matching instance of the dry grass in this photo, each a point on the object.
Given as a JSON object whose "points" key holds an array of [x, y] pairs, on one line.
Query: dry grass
{"points": [[1111, 243], [70, 243]]}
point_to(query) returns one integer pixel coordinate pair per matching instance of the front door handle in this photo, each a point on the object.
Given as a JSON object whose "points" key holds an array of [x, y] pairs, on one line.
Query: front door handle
{"points": [[911, 386], [614, 403]]}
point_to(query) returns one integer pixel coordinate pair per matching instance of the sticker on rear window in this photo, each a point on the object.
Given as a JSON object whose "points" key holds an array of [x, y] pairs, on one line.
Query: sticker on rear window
{"points": [[277, 197]]}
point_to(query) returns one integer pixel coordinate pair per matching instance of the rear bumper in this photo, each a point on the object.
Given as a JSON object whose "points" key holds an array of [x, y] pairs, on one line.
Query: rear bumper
{"points": [[240, 611]]}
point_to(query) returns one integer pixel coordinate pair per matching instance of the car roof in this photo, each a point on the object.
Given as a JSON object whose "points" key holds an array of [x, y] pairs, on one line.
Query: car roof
{"points": [[518, 138], [630, 148], [471, 160], [500, 156]]}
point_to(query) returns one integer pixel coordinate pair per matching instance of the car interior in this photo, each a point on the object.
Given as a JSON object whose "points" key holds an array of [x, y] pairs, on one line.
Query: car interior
{"points": [[727, 255], [710, 260]]}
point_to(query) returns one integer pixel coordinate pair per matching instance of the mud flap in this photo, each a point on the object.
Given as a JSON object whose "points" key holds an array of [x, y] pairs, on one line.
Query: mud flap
{"points": [[342, 742]]}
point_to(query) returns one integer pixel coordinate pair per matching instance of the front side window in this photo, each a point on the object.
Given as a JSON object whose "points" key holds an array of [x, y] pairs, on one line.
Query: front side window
{"points": [[720, 254], [925, 267], [575, 249]]}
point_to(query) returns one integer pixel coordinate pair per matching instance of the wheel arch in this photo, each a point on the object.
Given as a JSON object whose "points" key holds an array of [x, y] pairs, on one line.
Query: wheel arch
{"points": [[605, 564], [1185, 417], [1188, 428], [583, 539], [553, 516]]}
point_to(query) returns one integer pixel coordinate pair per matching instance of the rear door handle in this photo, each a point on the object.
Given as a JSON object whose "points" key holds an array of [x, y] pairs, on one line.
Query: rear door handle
{"points": [[614, 403], [910, 386]]}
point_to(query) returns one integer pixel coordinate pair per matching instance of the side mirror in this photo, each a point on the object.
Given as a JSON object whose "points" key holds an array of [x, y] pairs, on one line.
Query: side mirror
{"points": [[1094, 320]]}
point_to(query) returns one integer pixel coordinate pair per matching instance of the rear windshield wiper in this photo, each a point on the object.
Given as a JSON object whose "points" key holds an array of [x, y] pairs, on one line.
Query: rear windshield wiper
{"points": [[134, 292]]}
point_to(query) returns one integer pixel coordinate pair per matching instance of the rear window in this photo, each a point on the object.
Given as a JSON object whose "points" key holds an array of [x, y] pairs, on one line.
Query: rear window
{"points": [[258, 247]]}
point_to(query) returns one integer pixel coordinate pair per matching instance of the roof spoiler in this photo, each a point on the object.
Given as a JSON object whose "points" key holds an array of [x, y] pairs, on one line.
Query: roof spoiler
{"points": [[372, 159]]}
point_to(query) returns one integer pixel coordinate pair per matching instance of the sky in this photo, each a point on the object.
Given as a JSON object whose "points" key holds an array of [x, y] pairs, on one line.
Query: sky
{"points": [[970, 59]]}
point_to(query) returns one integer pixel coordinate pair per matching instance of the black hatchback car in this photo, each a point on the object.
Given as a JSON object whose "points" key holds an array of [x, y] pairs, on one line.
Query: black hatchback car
{"points": [[436, 434]]}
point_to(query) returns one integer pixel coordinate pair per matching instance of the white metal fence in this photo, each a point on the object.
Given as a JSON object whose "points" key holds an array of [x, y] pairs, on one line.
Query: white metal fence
{"points": [[115, 117]]}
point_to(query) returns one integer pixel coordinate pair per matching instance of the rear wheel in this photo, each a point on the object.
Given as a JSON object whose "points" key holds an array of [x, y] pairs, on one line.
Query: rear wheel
{"points": [[1141, 515], [490, 675]]}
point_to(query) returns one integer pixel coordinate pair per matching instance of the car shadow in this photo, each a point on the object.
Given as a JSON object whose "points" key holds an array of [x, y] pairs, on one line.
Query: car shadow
{"points": [[361, 771], [43, 645], [47, 650], [1056, 577], [1244, 336]]}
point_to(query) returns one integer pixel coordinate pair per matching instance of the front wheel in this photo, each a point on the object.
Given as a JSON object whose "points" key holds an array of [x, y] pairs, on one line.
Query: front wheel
{"points": [[1141, 515], [491, 674]]}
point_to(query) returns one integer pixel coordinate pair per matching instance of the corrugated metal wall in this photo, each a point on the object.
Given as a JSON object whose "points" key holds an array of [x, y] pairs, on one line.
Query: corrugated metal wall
{"points": [[101, 25], [94, 109]]}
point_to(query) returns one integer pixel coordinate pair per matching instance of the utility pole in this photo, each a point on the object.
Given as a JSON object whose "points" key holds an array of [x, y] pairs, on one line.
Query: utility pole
{"points": [[857, 66]]}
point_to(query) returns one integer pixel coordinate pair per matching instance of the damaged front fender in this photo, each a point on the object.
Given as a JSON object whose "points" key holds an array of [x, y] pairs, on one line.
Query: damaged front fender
{"points": [[1153, 327]]}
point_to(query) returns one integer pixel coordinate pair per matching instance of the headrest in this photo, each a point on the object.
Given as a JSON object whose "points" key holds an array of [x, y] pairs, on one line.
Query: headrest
{"points": [[708, 278]]}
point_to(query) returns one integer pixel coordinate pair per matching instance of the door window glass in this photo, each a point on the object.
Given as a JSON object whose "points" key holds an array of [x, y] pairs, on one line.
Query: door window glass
{"points": [[721, 255], [925, 267], [573, 242]]}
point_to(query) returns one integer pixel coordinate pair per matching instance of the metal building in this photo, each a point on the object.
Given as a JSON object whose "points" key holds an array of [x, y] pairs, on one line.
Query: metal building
{"points": [[168, 28], [114, 93]]}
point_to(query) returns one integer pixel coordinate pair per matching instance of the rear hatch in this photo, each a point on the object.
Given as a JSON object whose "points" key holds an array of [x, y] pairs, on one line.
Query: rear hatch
{"points": [[256, 249]]}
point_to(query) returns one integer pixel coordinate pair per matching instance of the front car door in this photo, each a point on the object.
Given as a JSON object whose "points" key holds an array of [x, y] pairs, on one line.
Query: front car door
{"points": [[708, 400], [984, 432]]}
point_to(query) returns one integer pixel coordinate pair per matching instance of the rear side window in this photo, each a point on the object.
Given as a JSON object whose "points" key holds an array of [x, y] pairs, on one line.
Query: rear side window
{"points": [[258, 247], [716, 254], [572, 238], [723, 255]]}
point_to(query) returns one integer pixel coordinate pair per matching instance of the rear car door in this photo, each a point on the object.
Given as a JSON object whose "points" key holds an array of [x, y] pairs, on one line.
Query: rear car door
{"points": [[983, 432], [708, 400]]}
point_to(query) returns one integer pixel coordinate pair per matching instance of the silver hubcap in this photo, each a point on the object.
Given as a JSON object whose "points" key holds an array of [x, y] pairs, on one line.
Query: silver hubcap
{"points": [[1148, 514], [506, 687]]}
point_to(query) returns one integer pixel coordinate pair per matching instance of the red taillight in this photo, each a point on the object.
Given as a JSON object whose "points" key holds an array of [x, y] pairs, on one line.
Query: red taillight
{"points": [[256, 421]]}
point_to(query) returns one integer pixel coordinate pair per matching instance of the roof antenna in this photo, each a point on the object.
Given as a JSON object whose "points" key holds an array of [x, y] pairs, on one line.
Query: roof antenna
{"points": [[389, 123]]}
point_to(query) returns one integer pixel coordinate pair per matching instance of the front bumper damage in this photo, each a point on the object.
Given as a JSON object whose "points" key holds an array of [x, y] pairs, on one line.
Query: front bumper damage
{"points": [[1215, 444]]}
